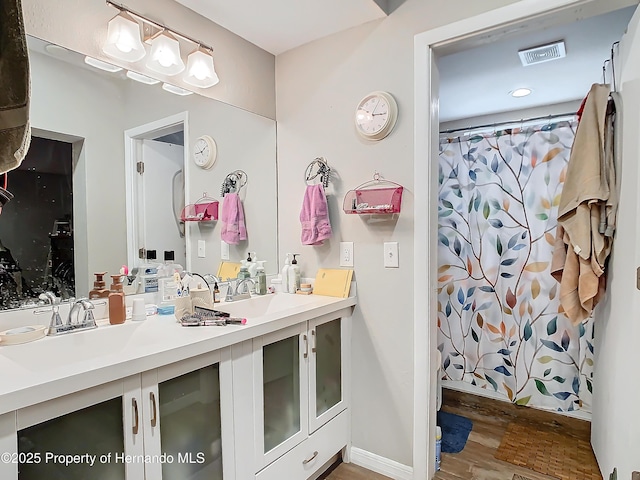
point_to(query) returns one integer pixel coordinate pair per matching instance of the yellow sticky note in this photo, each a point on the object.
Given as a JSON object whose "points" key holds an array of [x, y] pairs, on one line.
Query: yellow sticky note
{"points": [[228, 270], [333, 282]]}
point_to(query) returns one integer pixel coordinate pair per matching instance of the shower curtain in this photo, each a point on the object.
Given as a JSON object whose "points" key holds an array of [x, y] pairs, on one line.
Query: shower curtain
{"points": [[500, 323]]}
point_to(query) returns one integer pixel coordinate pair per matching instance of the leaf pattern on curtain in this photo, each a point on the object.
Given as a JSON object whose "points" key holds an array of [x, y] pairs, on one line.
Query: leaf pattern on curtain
{"points": [[500, 323]]}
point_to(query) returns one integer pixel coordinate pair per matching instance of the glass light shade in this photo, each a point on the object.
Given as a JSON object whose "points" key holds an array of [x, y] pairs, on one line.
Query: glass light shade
{"points": [[142, 78], [175, 90], [200, 70], [123, 39], [165, 57]]}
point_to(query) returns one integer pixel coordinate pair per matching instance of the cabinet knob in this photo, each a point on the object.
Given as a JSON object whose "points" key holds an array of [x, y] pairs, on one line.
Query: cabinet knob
{"points": [[315, 454]]}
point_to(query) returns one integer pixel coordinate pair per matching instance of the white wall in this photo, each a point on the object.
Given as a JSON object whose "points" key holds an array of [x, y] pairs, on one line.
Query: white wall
{"points": [[615, 432], [246, 71], [318, 87]]}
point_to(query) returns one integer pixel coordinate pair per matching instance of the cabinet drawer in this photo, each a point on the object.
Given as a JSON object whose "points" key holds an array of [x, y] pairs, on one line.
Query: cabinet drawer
{"points": [[324, 443]]}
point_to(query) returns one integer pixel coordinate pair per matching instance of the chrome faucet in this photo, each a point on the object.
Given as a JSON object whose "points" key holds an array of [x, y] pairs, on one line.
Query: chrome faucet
{"points": [[229, 296], [243, 283], [72, 325]]}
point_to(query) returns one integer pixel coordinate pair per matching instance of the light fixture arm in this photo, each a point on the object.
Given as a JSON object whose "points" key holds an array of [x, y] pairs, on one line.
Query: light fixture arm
{"points": [[158, 25]]}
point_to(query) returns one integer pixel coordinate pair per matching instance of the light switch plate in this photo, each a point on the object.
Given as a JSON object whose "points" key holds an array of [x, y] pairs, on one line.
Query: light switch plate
{"points": [[391, 255], [224, 251], [346, 254], [201, 249]]}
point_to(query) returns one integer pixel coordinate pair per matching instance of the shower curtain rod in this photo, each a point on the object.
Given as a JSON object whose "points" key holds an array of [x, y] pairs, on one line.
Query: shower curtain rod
{"points": [[512, 122]]}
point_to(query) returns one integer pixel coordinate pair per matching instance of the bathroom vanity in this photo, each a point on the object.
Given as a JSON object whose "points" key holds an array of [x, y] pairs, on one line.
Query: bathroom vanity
{"points": [[153, 399]]}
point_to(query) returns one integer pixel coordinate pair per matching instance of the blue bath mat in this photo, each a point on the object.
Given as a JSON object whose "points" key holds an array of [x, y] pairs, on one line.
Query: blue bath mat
{"points": [[455, 431]]}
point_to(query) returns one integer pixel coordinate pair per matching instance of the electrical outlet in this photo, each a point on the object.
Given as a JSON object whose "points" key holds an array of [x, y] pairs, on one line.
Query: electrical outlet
{"points": [[391, 255], [201, 249], [224, 251], [346, 254]]}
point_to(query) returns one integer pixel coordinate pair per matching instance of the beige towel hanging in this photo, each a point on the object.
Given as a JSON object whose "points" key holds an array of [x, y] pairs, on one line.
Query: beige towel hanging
{"points": [[15, 132]]}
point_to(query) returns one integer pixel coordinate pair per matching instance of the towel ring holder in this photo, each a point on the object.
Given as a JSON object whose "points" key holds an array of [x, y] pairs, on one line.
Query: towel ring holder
{"points": [[233, 182], [318, 167]]}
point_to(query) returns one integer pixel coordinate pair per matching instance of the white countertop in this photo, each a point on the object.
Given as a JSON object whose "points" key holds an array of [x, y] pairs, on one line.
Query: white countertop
{"points": [[59, 365]]}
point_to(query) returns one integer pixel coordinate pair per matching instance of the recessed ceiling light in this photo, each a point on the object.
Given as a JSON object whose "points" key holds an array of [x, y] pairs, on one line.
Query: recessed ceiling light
{"points": [[94, 62], [520, 92], [176, 90], [142, 78]]}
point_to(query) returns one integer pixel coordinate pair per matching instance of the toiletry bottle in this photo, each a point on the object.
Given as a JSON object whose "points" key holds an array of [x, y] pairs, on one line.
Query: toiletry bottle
{"points": [[261, 286], [167, 285], [216, 293], [149, 273], [244, 272], [293, 282], [285, 274], [99, 287], [117, 312], [252, 264]]}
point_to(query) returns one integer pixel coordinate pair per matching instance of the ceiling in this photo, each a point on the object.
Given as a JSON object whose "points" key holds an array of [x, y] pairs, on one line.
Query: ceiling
{"points": [[477, 81], [280, 25]]}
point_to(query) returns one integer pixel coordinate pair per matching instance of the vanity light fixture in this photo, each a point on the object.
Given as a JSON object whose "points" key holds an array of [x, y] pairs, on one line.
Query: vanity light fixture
{"points": [[107, 67], [520, 92], [165, 57], [200, 70], [141, 78], [123, 38], [176, 90]]}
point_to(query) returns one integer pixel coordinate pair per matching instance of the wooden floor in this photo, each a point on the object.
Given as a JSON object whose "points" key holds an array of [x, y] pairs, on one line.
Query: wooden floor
{"points": [[490, 420], [349, 471]]}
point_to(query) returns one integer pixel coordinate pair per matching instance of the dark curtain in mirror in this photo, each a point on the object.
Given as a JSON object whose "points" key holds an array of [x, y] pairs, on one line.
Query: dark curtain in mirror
{"points": [[36, 227]]}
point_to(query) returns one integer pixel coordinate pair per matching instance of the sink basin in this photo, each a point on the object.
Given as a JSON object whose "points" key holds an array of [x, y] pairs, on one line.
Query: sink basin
{"points": [[264, 305]]}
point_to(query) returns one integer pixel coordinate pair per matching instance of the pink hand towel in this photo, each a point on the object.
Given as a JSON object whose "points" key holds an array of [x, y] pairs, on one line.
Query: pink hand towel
{"points": [[233, 226], [314, 216]]}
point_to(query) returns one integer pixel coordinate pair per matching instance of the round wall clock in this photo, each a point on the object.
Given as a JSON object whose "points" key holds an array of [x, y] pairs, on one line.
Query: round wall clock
{"points": [[205, 152], [376, 115]]}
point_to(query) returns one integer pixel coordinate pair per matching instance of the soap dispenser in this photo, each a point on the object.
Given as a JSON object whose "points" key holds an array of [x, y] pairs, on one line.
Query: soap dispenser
{"points": [[117, 312], [99, 287], [252, 264], [285, 274], [244, 271], [293, 281], [261, 287]]}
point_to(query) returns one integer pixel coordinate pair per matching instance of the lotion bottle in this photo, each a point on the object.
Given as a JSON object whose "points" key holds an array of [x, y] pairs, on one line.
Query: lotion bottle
{"points": [[117, 312], [285, 274], [252, 265], [293, 282], [261, 287]]}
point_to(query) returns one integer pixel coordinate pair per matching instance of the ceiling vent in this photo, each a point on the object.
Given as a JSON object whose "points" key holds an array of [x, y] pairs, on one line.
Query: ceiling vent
{"points": [[544, 53]]}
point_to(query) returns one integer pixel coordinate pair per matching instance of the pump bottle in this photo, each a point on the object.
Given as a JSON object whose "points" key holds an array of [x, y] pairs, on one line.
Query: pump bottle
{"points": [[117, 311], [285, 274], [293, 282], [261, 287]]}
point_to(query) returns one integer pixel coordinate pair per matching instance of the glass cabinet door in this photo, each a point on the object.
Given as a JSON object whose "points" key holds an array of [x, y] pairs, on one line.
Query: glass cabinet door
{"points": [[326, 376], [282, 371], [190, 426], [94, 434]]}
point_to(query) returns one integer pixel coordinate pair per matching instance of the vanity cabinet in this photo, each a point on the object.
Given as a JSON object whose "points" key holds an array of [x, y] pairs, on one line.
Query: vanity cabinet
{"points": [[170, 423], [300, 397]]}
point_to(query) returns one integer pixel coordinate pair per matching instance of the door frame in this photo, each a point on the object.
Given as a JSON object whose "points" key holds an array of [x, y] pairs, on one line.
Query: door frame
{"points": [[426, 127], [132, 154]]}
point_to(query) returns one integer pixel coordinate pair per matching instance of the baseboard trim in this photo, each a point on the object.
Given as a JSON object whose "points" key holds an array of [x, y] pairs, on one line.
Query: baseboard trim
{"points": [[381, 465]]}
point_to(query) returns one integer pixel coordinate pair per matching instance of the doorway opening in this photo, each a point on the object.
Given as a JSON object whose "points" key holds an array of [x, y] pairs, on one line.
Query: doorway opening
{"points": [[503, 23], [155, 159]]}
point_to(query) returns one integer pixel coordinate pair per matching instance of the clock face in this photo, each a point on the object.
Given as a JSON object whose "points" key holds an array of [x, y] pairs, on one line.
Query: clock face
{"points": [[376, 115], [204, 152]]}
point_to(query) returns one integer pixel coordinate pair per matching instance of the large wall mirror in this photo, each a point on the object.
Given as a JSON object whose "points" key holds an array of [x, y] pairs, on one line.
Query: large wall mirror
{"points": [[76, 208]]}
